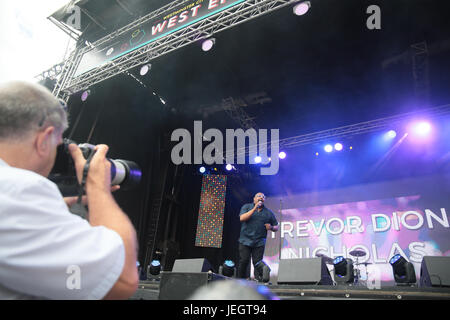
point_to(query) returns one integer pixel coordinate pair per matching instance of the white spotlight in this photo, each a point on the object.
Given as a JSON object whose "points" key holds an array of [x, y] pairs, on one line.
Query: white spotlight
{"points": [[145, 69], [338, 146], [302, 8], [208, 44]]}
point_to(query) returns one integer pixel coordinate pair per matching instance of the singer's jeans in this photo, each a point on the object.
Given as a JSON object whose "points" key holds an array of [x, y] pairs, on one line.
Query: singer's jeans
{"points": [[245, 253]]}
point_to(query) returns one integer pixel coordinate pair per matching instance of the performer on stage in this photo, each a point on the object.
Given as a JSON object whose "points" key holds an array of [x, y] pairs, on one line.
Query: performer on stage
{"points": [[256, 220]]}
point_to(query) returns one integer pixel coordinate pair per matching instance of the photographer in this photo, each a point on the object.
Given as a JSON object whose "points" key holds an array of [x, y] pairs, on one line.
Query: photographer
{"points": [[45, 251]]}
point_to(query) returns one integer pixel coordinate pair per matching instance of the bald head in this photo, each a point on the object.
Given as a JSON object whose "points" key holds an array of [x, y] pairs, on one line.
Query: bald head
{"points": [[259, 197], [26, 108]]}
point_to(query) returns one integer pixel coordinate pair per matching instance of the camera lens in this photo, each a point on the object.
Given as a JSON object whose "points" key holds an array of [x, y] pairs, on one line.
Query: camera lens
{"points": [[125, 173]]}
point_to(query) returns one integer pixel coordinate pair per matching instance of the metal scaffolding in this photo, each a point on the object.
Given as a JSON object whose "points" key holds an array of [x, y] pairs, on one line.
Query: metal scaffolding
{"points": [[234, 110], [351, 130], [420, 71], [245, 11]]}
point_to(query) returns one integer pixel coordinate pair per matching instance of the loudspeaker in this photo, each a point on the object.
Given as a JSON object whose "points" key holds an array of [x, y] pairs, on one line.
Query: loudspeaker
{"points": [[192, 265], [435, 272], [180, 286], [304, 271]]}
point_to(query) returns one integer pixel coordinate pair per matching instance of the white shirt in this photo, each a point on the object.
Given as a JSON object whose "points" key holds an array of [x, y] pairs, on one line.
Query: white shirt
{"points": [[46, 252]]}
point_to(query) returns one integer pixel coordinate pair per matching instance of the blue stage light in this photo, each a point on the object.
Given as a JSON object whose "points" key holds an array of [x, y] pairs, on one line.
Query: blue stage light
{"points": [[395, 258], [391, 134], [155, 267], [228, 269], [404, 273], [229, 263], [338, 259]]}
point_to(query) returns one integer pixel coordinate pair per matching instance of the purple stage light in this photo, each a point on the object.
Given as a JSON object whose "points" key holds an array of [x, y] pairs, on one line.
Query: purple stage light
{"points": [[422, 129], [208, 44], [338, 146], [328, 148], [301, 8], [282, 155], [85, 95]]}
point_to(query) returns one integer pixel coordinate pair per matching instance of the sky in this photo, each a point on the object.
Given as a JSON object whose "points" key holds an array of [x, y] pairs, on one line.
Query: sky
{"points": [[30, 43]]}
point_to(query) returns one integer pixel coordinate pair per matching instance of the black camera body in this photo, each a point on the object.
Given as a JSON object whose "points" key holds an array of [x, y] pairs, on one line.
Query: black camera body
{"points": [[125, 173]]}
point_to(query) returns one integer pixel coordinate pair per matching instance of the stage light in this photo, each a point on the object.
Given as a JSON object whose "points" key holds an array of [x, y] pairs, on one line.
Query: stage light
{"points": [[155, 268], [317, 154], [302, 8], [343, 270], [422, 129], [228, 269], [262, 272], [338, 146], [85, 95], [202, 169], [404, 273], [351, 148], [208, 44], [258, 159], [391, 134], [229, 167], [328, 148], [145, 69], [282, 155]]}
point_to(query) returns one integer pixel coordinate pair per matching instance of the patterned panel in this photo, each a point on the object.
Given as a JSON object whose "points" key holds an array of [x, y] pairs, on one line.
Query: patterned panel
{"points": [[212, 207]]}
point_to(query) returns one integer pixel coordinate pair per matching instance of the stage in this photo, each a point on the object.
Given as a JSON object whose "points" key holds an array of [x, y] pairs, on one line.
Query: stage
{"points": [[150, 290]]}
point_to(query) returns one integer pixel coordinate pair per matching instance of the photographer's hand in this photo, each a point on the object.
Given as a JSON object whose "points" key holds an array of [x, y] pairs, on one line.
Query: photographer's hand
{"points": [[99, 174]]}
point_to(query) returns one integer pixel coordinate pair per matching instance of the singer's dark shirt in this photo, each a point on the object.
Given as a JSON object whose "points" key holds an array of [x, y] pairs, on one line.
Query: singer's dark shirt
{"points": [[253, 231]]}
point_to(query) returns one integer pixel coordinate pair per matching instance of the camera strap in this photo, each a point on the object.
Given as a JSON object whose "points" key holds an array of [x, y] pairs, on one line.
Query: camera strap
{"points": [[80, 208]]}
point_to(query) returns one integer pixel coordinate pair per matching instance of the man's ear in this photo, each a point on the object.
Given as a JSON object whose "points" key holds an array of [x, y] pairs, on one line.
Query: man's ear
{"points": [[44, 140]]}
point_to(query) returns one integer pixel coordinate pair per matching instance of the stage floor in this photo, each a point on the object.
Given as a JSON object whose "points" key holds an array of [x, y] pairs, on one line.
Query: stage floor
{"points": [[149, 290]]}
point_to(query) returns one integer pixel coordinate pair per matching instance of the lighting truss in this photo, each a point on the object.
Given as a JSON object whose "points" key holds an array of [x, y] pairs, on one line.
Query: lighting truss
{"points": [[203, 29], [351, 130], [67, 69], [51, 73], [234, 110], [420, 71]]}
